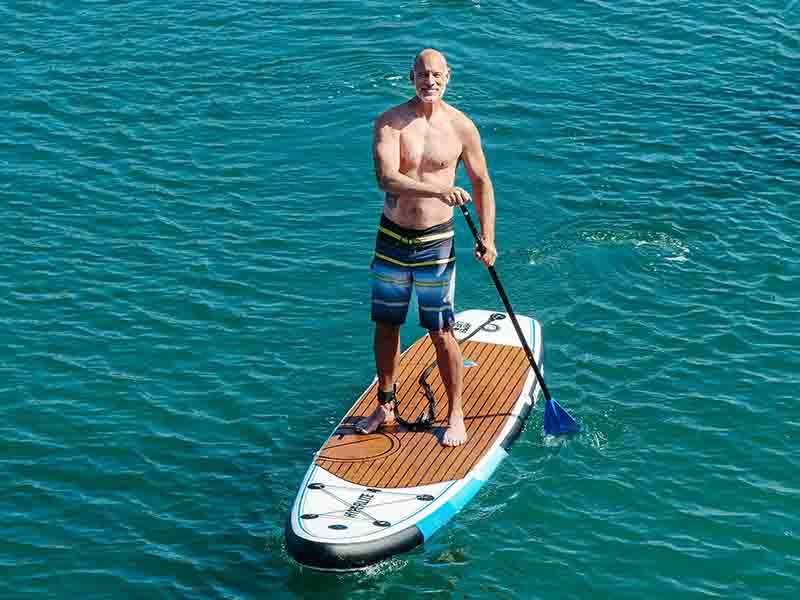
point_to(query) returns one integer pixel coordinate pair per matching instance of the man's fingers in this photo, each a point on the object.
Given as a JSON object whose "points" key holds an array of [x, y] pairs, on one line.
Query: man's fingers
{"points": [[488, 256], [456, 196]]}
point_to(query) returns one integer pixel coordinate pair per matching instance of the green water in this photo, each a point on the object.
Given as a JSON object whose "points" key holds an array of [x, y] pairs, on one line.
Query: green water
{"points": [[188, 209]]}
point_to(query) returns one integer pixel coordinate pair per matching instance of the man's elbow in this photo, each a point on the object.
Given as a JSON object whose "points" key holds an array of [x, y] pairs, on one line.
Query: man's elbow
{"points": [[482, 183], [385, 181]]}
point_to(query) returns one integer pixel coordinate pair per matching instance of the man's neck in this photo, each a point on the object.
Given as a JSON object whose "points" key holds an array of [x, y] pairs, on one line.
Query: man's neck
{"points": [[426, 109]]}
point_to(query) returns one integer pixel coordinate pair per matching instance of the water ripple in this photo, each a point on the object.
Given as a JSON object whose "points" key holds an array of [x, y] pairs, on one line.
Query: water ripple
{"points": [[188, 210]]}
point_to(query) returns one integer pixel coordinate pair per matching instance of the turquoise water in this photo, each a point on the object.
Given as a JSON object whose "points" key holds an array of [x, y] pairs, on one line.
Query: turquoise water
{"points": [[187, 206]]}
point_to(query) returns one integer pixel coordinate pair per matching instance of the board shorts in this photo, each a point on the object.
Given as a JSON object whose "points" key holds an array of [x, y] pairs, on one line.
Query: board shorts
{"points": [[408, 258]]}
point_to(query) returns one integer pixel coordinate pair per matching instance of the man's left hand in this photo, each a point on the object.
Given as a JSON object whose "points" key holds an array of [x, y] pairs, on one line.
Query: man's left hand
{"points": [[488, 257]]}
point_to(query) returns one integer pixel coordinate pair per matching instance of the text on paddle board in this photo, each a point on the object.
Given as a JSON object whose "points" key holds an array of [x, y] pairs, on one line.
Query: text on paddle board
{"points": [[357, 506]]}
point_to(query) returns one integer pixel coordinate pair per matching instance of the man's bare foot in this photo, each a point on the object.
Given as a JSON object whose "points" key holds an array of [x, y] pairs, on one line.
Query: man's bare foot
{"points": [[383, 413], [456, 432]]}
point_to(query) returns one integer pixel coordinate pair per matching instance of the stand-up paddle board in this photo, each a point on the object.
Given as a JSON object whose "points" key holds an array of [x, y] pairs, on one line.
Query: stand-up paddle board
{"points": [[368, 497]]}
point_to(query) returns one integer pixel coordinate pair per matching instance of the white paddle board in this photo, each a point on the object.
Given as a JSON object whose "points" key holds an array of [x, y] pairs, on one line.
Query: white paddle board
{"points": [[366, 498]]}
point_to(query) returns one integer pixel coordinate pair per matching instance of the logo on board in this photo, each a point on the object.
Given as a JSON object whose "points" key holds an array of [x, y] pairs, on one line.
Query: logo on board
{"points": [[359, 505], [461, 326]]}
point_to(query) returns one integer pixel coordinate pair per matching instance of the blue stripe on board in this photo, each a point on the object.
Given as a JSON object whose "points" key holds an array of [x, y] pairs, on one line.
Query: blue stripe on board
{"points": [[430, 524]]}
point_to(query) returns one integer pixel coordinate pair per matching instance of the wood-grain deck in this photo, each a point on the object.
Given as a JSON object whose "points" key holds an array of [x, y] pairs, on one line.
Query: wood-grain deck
{"points": [[393, 457]]}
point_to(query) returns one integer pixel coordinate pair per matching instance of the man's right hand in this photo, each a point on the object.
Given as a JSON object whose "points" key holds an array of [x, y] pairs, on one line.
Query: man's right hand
{"points": [[455, 196]]}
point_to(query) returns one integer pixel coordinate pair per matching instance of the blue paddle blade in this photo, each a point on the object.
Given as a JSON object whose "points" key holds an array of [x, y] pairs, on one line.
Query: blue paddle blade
{"points": [[558, 421]]}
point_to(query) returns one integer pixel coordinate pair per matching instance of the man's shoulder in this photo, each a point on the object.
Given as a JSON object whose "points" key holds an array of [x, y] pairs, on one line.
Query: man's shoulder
{"points": [[459, 119], [394, 115]]}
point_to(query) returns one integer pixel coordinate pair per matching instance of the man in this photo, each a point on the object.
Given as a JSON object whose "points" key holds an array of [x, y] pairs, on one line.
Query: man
{"points": [[417, 148]]}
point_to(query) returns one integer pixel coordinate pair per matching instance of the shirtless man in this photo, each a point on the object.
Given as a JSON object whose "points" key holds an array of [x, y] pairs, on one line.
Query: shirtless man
{"points": [[417, 148]]}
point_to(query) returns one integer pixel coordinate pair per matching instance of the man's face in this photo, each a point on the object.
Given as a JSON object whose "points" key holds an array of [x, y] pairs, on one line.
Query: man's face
{"points": [[430, 76]]}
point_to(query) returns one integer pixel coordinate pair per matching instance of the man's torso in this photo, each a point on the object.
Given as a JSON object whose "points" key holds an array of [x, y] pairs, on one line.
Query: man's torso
{"points": [[429, 152]]}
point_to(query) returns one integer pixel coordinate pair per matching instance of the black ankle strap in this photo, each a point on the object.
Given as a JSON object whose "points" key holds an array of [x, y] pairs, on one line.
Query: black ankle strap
{"points": [[386, 397]]}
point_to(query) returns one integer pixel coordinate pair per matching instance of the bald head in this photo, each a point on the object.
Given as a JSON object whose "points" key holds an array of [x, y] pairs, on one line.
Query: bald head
{"points": [[430, 55]]}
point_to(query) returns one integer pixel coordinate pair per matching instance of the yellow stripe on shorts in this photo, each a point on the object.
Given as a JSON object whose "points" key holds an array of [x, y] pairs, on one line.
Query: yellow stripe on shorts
{"points": [[419, 240], [432, 283], [390, 279], [427, 263]]}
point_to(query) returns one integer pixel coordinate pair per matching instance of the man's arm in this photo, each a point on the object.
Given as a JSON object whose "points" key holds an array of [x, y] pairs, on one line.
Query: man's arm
{"points": [[482, 189], [386, 154]]}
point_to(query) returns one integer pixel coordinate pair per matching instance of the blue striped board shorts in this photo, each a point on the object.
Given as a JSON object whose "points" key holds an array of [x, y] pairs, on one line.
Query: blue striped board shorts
{"points": [[408, 258]]}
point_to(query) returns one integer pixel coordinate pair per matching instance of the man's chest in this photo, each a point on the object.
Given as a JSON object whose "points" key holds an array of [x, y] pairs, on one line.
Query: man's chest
{"points": [[430, 146]]}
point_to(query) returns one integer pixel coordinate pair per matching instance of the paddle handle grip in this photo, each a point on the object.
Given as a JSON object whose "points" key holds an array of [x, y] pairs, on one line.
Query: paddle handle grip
{"points": [[507, 304]]}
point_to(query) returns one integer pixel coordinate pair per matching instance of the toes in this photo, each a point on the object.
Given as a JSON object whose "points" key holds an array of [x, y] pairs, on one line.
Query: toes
{"points": [[452, 442]]}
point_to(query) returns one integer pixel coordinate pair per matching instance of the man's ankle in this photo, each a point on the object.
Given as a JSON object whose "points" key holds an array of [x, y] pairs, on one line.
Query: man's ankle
{"points": [[386, 396]]}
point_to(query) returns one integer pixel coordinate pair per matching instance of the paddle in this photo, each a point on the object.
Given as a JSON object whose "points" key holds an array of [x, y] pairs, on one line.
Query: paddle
{"points": [[557, 421]]}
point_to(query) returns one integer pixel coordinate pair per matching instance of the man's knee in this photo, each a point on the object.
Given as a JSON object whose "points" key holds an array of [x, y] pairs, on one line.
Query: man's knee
{"points": [[387, 328], [442, 337]]}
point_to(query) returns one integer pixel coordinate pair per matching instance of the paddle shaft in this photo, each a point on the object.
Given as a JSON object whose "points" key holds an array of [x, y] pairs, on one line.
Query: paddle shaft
{"points": [[507, 304]]}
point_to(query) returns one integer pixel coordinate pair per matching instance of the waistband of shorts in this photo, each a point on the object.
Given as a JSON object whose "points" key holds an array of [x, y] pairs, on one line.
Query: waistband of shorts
{"points": [[404, 235]]}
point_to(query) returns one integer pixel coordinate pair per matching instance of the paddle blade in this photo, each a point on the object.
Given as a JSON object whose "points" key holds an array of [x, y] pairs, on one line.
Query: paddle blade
{"points": [[558, 421]]}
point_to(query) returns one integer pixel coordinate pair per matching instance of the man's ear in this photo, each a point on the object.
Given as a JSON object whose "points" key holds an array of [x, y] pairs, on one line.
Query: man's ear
{"points": [[411, 75]]}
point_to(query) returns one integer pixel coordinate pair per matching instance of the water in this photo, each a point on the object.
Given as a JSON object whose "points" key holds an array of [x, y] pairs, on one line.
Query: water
{"points": [[188, 206]]}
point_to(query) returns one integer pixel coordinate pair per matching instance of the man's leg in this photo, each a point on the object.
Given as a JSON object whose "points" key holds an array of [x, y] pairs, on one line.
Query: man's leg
{"points": [[387, 354], [451, 368], [435, 295], [387, 361]]}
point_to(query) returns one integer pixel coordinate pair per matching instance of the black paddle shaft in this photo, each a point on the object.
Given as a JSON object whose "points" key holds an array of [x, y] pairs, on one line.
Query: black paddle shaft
{"points": [[506, 303]]}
